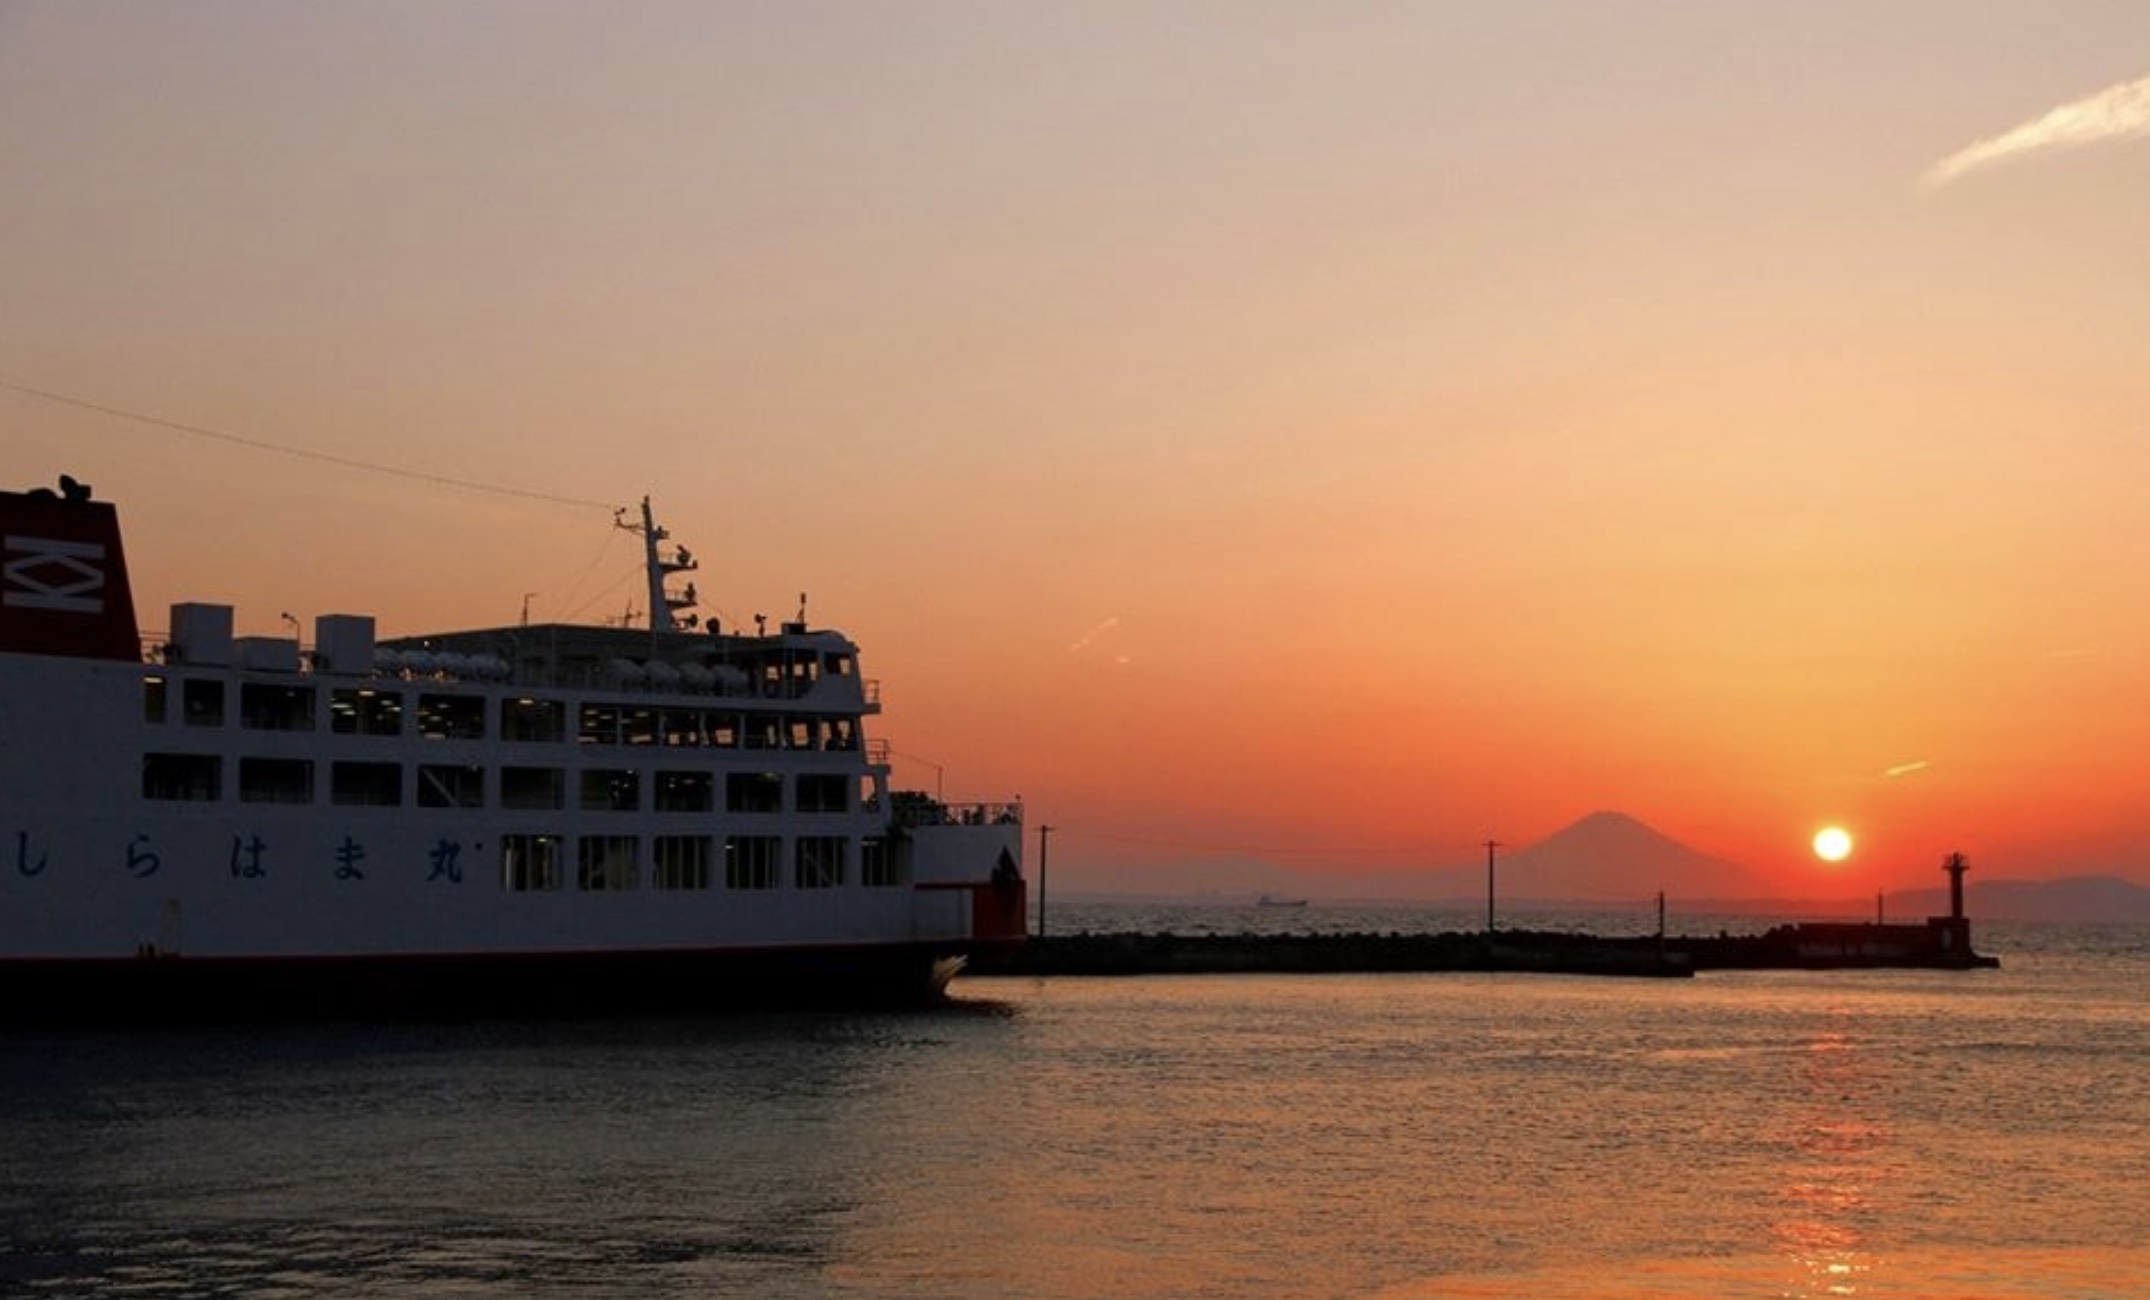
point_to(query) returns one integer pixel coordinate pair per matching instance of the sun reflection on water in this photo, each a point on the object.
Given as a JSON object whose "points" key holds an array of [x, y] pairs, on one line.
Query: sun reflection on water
{"points": [[1834, 1169], [2072, 1274]]}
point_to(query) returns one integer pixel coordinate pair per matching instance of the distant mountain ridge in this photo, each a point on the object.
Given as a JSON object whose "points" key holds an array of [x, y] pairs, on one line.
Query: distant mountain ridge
{"points": [[1609, 858], [2075, 898]]}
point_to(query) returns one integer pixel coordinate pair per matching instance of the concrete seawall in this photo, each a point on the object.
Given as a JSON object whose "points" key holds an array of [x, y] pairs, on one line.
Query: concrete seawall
{"points": [[1792, 947]]}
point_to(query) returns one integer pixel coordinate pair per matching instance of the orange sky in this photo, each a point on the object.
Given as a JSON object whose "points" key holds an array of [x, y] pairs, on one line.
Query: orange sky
{"points": [[1350, 429]]}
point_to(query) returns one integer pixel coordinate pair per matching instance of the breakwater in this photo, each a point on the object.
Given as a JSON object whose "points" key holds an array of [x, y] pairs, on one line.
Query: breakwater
{"points": [[1938, 944]]}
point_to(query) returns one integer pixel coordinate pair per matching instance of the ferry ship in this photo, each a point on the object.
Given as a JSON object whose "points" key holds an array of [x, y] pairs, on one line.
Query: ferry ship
{"points": [[526, 820]]}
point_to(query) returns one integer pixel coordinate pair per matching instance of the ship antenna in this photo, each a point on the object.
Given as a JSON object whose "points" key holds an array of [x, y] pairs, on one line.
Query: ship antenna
{"points": [[657, 566]]}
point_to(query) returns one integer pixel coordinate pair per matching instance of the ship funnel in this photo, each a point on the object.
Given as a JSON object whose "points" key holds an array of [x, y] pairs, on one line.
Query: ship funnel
{"points": [[63, 576]]}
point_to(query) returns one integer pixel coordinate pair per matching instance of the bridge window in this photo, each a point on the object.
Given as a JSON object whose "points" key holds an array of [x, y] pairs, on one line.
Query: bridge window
{"points": [[532, 787], [529, 863], [365, 712], [276, 708], [824, 792], [451, 717], [763, 731], [879, 863], [533, 720], [600, 725], [605, 863], [201, 700], [680, 862], [686, 792], [276, 780], [685, 727], [754, 792], [611, 789], [191, 777], [818, 861], [750, 861], [442, 785], [374, 785]]}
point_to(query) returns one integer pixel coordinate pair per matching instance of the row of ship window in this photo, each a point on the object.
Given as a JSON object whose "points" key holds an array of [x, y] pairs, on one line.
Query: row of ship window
{"points": [[200, 778], [612, 863], [435, 715]]}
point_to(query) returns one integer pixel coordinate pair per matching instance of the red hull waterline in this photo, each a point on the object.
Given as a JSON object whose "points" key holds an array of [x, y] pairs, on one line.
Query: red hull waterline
{"points": [[160, 990]]}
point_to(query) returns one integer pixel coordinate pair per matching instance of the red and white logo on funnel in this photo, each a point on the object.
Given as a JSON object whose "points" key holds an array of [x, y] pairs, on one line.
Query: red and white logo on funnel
{"points": [[63, 577], [50, 573]]}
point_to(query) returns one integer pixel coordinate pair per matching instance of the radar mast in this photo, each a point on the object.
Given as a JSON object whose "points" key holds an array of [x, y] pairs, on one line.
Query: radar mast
{"points": [[666, 607]]}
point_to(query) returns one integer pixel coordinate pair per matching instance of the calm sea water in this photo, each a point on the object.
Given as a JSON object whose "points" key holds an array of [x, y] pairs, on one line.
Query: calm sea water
{"points": [[1866, 1134]]}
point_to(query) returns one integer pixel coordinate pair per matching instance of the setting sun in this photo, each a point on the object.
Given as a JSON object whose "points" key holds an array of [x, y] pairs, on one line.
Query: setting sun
{"points": [[1832, 844]]}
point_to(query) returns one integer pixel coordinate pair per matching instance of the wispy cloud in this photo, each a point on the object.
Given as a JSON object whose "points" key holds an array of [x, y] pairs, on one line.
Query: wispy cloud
{"points": [[2115, 113], [1906, 769], [1089, 638]]}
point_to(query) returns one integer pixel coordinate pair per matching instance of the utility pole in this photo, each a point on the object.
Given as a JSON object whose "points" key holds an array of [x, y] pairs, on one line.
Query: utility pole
{"points": [[1044, 839], [1490, 846]]}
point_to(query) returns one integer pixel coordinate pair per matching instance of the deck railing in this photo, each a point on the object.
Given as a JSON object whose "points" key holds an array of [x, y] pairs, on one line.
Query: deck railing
{"points": [[913, 809]]}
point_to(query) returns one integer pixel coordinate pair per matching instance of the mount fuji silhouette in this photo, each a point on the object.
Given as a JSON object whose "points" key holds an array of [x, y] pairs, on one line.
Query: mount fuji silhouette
{"points": [[1610, 855]]}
